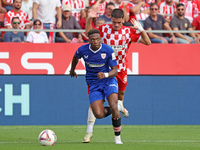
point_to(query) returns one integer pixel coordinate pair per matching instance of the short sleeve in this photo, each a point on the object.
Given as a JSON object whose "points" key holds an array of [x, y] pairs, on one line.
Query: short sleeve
{"points": [[7, 20], [112, 58], [29, 37], [195, 22], [6, 37], [147, 24], [173, 24], [100, 30], [79, 53]]}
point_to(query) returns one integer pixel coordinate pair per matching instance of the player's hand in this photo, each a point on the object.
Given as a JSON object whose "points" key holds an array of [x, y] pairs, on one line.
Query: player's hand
{"points": [[92, 13], [100, 75], [73, 74], [136, 25]]}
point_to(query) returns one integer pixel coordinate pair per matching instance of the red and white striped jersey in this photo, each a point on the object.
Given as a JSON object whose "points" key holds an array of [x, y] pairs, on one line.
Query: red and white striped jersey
{"points": [[23, 16], [149, 1], [191, 10], [119, 41], [76, 5], [140, 16], [166, 10], [128, 6], [9, 1], [101, 7]]}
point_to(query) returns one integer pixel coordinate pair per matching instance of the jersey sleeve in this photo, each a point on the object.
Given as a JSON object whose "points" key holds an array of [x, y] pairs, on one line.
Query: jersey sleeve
{"points": [[112, 58], [195, 22], [135, 35], [100, 30], [7, 20], [29, 37], [79, 53]]}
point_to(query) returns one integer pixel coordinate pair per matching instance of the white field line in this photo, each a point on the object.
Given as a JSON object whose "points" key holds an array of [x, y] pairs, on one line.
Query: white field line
{"points": [[98, 126], [129, 141]]}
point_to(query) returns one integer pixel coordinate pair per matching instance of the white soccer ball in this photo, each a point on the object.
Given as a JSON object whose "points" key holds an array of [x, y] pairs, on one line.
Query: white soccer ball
{"points": [[47, 138]]}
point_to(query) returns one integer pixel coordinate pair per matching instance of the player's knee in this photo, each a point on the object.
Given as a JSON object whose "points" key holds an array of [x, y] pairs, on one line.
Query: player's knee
{"points": [[99, 115], [114, 108]]}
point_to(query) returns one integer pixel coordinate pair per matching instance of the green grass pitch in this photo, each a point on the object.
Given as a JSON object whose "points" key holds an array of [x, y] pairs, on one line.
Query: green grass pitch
{"points": [[134, 137]]}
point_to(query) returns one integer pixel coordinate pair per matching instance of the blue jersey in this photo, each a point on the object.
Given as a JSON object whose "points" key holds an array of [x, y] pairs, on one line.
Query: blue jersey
{"points": [[96, 61]]}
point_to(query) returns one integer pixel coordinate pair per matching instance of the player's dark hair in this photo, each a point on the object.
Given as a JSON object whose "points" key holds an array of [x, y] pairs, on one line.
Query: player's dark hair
{"points": [[180, 4], [117, 13], [92, 31], [153, 4], [110, 3]]}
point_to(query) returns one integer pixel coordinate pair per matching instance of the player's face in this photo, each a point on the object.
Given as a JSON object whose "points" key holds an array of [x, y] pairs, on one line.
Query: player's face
{"points": [[95, 41], [17, 4], [116, 23]]}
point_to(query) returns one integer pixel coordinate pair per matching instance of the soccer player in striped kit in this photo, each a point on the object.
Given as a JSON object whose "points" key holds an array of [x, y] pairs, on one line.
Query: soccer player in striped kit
{"points": [[119, 37]]}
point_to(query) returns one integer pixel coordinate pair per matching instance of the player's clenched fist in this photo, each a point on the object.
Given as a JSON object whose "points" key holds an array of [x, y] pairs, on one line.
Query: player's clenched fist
{"points": [[100, 75]]}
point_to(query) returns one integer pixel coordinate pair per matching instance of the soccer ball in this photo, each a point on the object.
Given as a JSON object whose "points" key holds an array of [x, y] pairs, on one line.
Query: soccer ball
{"points": [[47, 138]]}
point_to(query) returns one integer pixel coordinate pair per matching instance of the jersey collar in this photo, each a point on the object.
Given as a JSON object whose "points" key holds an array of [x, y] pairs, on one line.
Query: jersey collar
{"points": [[96, 50]]}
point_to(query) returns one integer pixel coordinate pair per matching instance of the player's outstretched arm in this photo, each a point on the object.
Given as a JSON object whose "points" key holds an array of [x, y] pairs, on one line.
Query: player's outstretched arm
{"points": [[110, 74], [74, 62], [92, 13], [145, 38]]}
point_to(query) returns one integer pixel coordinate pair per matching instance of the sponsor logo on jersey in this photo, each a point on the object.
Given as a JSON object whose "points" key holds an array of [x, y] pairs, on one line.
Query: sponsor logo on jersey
{"points": [[86, 56], [94, 65]]}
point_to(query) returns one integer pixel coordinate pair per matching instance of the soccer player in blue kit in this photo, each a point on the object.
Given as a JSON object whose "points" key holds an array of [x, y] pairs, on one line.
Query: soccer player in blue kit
{"points": [[101, 69]]}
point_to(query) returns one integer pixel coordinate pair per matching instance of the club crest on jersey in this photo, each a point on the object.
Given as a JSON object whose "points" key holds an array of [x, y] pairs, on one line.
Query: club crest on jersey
{"points": [[103, 55], [123, 38]]}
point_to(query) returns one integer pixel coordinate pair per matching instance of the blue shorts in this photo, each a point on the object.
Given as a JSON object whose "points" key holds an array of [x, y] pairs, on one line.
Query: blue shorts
{"points": [[103, 90]]}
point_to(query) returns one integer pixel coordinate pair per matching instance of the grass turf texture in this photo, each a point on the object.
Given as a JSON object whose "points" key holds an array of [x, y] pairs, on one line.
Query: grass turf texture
{"points": [[140, 137]]}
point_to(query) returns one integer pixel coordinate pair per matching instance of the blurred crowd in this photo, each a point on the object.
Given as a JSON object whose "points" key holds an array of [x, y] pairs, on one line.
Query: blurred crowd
{"points": [[71, 15]]}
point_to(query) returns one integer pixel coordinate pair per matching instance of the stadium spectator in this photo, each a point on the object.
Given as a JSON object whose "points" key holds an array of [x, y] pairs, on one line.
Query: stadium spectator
{"points": [[82, 23], [37, 36], [44, 11], [191, 10], [77, 6], [196, 26], [17, 12], [68, 22], [14, 36], [125, 6], [101, 69], [27, 6], [99, 21], [167, 9], [2, 9], [180, 22], [139, 11], [107, 16], [156, 21], [7, 4], [100, 5]]}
